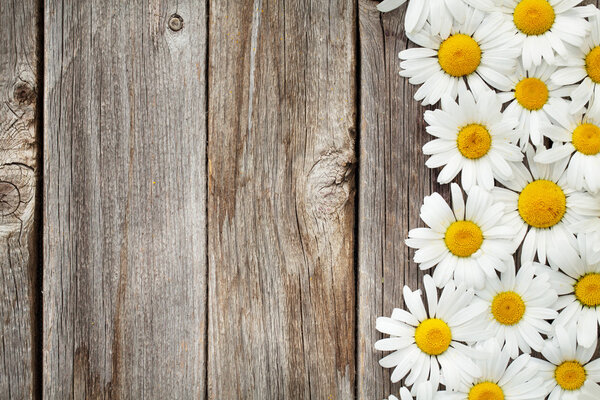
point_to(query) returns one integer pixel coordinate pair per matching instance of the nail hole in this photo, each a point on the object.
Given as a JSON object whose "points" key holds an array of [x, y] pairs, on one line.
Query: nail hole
{"points": [[175, 23]]}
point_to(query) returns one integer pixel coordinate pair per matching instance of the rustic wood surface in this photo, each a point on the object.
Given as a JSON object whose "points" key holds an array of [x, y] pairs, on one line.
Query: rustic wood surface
{"points": [[225, 198], [19, 150], [282, 122], [393, 181], [124, 200]]}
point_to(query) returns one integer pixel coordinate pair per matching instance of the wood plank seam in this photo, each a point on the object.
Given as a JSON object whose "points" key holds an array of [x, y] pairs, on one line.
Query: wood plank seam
{"points": [[357, 195]]}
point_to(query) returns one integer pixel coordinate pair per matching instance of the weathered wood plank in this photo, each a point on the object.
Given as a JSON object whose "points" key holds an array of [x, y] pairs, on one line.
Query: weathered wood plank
{"points": [[393, 181], [124, 200], [281, 199], [19, 147]]}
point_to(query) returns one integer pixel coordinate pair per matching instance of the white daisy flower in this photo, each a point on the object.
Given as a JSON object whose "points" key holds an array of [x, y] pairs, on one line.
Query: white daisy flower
{"points": [[568, 372], [582, 64], [529, 97], [465, 242], [540, 208], [474, 138], [578, 286], [518, 307], [545, 27], [577, 139], [439, 13], [499, 379], [483, 48], [428, 345]]}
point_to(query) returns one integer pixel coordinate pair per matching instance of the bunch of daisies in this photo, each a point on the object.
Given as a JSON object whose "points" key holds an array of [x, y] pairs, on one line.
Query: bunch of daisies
{"points": [[510, 306]]}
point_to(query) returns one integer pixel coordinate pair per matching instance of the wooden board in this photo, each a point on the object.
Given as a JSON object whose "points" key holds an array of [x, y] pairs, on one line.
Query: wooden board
{"points": [[124, 200], [282, 115], [19, 151], [393, 181]]}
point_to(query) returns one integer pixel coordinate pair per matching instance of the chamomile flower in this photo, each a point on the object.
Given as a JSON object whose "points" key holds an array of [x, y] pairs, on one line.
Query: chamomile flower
{"points": [[439, 13], [427, 345], [582, 65], [481, 50], [465, 242], [577, 139], [578, 284], [473, 138], [568, 372], [518, 307], [500, 379], [530, 94], [546, 27], [540, 208]]}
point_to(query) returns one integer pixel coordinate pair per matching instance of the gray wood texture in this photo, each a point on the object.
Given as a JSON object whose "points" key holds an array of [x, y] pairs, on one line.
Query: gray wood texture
{"points": [[282, 116], [124, 200], [393, 181], [211, 226], [19, 151]]}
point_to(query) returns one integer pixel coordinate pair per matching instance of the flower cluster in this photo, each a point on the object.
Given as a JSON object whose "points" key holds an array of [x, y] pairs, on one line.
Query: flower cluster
{"points": [[513, 292]]}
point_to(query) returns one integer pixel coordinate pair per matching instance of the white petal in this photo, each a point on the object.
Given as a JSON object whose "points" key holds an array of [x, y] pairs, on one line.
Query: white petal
{"points": [[389, 5]]}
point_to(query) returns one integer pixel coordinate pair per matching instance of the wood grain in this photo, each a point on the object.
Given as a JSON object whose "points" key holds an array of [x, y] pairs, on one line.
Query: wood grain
{"points": [[282, 110], [19, 149], [393, 181], [124, 200]]}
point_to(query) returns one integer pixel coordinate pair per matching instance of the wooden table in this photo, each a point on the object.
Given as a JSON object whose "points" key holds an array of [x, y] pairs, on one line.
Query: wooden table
{"points": [[203, 199]]}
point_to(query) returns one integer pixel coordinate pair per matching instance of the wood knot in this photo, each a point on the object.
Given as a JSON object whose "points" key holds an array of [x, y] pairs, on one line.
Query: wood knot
{"points": [[330, 183], [23, 93], [10, 198], [17, 197]]}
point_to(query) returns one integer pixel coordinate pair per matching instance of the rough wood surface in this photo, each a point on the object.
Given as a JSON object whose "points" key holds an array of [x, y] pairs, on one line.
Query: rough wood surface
{"points": [[393, 181], [124, 200], [18, 180], [282, 84]]}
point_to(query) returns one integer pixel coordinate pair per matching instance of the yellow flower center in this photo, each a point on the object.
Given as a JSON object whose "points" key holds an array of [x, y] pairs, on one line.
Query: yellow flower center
{"points": [[587, 290], [542, 204], [463, 238], [508, 308], [474, 141], [534, 17], [531, 93], [586, 139], [570, 375], [486, 391], [433, 336], [459, 55], [592, 64]]}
